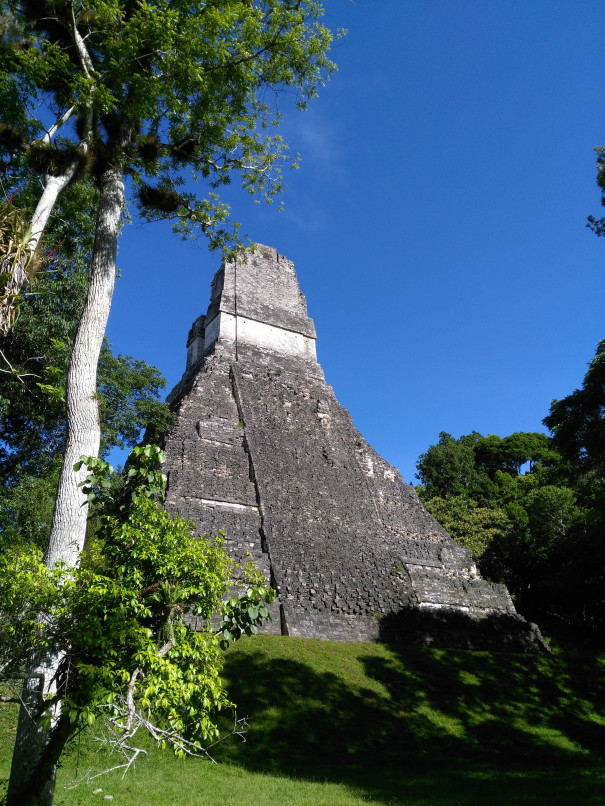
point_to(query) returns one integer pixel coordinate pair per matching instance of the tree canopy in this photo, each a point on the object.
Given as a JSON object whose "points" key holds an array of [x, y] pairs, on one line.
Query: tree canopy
{"points": [[577, 421], [167, 91], [541, 531], [521, 527]]}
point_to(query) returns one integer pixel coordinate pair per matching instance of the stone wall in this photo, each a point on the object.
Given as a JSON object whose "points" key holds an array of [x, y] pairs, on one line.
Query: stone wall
{"points": [[262, 450]]}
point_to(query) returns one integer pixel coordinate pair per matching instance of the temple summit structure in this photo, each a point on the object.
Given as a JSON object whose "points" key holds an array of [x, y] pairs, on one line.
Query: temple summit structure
{"points": [[261, 450]]}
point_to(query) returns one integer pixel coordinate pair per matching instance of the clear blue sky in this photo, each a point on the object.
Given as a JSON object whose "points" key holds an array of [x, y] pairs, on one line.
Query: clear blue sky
{"points": [[437, 222]]}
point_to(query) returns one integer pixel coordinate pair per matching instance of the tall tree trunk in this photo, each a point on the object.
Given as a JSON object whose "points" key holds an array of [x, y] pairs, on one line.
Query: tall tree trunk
{"points": [[69, 518], [83, 427], [39, 786]]}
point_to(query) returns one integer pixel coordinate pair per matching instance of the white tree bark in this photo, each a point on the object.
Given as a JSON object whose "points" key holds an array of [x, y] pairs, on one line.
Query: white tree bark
{"points": [[53, 187], [83, 427], [68, 528]]}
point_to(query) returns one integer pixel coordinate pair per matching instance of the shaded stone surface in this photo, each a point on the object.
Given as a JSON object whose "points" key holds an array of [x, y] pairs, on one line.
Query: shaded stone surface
{"points": [[262, 450]]}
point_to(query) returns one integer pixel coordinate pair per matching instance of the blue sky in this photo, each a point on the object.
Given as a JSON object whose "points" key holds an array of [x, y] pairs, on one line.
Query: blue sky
{"points": [[437, 222]]}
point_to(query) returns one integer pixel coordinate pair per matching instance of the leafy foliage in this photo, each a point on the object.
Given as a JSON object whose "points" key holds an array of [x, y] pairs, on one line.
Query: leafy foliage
{"points": [[578, 421], [472, 526], [597, 225], [31, 399], [448, 468], [26, 508], [32, 406], [540, 532], [481, 467], [169, 91], [121, 620], [18, 265], [29, 595], [524, 528], [244, 615], [164, 93]]}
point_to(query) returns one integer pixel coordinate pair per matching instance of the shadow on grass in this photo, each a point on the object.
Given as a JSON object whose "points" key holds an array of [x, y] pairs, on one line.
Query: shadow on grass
{"points": [[425, 726]]}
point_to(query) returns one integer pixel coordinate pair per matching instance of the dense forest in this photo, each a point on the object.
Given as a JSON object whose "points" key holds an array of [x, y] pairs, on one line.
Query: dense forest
{"points": [[531, 506]]}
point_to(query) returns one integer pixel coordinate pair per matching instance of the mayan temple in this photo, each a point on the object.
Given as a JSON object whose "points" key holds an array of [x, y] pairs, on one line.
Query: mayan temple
{"points": [[262, 451]]}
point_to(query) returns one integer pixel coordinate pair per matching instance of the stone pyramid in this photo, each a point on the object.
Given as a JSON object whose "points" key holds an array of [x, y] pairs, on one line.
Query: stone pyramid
{"points": [[262, 451]]}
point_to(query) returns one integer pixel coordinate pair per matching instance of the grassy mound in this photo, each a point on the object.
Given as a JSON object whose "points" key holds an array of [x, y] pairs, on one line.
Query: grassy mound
{"points": [[334, 723]]}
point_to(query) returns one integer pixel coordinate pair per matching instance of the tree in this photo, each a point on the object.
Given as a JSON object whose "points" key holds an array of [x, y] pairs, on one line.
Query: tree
{"points": [[552, 511], [120, 620], [517, 525], [538, 532], [152, 92], [448, 468], [597, 225], [510, 453], [577, 421], [472, 526], [155, 90], [32, 409]]}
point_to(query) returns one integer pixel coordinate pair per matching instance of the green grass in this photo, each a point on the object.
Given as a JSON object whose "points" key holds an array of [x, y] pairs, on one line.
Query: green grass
{"points": [[347, 724]]}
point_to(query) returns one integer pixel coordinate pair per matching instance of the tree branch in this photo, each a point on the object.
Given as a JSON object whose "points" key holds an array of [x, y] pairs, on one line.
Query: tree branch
{"points": [[12, 371], [86, 61], [56, 126], [124, 724]]}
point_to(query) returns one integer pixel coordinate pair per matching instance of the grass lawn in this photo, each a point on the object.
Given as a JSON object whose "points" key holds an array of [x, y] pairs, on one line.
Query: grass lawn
{"points": [[334, 723]]}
